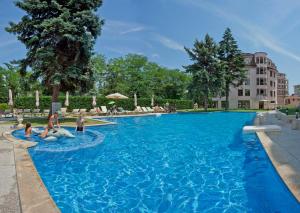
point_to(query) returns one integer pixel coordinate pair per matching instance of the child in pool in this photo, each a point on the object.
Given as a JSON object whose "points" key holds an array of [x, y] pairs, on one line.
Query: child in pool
{"points": [[80, 124], [28, 130]]}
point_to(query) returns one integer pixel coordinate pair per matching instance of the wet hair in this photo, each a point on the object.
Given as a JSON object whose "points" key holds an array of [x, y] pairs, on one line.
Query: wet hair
{"points": [[28, 125]]}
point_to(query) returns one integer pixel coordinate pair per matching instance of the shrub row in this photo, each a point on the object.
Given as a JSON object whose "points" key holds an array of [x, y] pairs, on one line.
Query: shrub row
{"points": [[85, 102]]}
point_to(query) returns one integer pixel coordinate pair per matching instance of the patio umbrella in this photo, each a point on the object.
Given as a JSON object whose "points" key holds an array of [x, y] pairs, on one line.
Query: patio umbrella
{"points": [[10, 101], [152, 100], [37, 99], [111, 102], [116, 96], [67, 99], [94, 103], [135, 99]]}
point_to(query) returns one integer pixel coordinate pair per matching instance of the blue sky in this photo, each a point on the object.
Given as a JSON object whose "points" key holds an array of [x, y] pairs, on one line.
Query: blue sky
{"points": [[160, 29]]}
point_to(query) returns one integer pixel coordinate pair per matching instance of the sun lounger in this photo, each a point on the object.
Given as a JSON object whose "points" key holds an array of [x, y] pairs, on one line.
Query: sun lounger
{"points": [[104, 109], [26, 112], [162, 109], [93, 112], [82, 111], [144, 109], [63, 111], [8, 113], [19, 111], [138, 109], [75, 111], [46, 112], [149, 109], [36, 112]]}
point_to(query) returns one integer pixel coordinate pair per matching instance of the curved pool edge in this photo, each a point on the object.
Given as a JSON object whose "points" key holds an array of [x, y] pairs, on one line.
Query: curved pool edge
{"points": [[282, 164], [34, 195]]}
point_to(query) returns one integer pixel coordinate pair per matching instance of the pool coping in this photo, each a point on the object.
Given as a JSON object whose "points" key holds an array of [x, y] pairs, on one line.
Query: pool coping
{"points": [[34, 195], [282, 164]]}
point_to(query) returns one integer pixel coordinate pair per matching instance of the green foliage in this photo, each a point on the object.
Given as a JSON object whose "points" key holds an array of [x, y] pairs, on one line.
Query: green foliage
{"points": [[59, 37], [3, 106], [85, 102], [232, 63], [135, 74], [207, 77]]}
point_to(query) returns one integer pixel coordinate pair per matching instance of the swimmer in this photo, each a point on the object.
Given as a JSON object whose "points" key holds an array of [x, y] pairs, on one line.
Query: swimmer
{"points": [[80, 124], [28, 130], [53, 119], [45, 133]]}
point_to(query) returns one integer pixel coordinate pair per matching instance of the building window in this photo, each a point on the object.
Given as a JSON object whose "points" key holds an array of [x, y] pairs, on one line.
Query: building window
{"points": [[240, 92], [247, 92], [271, 93], [244, 104], [247, 82]]}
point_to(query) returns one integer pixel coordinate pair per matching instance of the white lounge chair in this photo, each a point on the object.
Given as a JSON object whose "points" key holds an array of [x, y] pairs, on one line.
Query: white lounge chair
{"points": [[144, 109], [93, 112], [75, 111], [26, 112], [138, 109], [8, 113], [82, 111], [46, 112], [149, 109], [36, 112], [104, 109], [63, 111]]}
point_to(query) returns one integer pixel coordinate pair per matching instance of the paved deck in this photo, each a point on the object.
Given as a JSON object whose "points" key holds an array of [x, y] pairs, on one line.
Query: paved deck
{"points": [[283, 149], [21, 188], [9, 193]]}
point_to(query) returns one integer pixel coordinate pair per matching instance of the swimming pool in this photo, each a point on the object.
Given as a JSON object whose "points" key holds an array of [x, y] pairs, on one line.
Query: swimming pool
{"points": [[192, 162]]}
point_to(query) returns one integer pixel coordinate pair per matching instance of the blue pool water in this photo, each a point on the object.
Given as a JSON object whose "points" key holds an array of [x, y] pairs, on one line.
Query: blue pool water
{"points": [[173, 163]]}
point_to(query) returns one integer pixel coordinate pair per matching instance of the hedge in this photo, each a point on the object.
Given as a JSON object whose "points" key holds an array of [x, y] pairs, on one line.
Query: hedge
{"points": [[85, 102]]}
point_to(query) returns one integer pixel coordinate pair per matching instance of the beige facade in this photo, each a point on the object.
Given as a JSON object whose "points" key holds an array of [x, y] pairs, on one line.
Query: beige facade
{"points": [[282, 88], [259, 91], [297, 90]]}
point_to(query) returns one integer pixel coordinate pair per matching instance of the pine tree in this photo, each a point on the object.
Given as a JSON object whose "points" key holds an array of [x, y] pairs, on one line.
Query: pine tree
{"points": [[232, 63], [59, 36], [207, 77]]}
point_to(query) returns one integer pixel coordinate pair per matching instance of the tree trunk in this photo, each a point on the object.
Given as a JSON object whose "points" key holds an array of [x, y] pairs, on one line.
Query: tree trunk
{"points": [[55, 94], [205, 103], [227, 97]]}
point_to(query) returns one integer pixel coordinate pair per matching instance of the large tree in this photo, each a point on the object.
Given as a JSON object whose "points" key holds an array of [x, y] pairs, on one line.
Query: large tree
{"points": [[207, 77], [59, 36], [232, 63]]}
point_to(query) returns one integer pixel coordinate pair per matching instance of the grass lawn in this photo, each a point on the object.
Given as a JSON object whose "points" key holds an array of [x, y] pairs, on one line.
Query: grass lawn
{"points": [[63, 121], [291, 111]]}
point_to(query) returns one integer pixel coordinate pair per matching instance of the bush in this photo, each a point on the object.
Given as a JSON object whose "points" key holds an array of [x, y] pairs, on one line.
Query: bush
{"points": [[85, 102], [3, 106]]}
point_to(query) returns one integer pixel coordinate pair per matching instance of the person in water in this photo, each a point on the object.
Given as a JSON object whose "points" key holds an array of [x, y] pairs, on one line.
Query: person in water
{"points": [[52, 120], [28, 130], [45, 133], [80, 123]]}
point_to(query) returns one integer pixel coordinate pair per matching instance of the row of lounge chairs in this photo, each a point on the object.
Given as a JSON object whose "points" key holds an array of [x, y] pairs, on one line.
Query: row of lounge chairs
{"points": [[102, 110]]}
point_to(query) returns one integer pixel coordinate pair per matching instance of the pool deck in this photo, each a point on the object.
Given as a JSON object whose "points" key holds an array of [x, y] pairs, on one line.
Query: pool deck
{"points": [[283, 149]]}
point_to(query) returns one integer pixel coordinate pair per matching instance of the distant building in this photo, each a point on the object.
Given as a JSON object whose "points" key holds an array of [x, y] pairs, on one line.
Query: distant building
{"points": [[259, 91], [282, 88], [292, 100], [297, 89]]}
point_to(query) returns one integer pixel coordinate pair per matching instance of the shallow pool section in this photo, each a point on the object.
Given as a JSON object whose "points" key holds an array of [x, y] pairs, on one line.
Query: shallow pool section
{"points": [[192, 162]]}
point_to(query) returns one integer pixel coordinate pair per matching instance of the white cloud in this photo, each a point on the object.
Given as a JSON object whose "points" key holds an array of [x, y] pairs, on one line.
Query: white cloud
{"points": [[169, 43], [256, 34], [122, 27]]}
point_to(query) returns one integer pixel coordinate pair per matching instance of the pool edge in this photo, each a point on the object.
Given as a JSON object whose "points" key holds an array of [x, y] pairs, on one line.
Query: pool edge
{"points": [[34, 195], [281, 164]]}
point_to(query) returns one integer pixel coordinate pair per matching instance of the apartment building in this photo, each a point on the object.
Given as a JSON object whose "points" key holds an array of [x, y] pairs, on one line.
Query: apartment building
{"points": [[282, 88], [259, 91], [297, 90]]}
